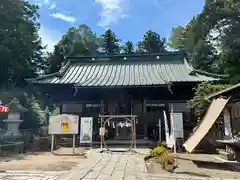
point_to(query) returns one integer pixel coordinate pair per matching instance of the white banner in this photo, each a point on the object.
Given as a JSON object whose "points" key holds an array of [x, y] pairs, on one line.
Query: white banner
{"points": [[86, 130], [168, 135], [227, 124]]}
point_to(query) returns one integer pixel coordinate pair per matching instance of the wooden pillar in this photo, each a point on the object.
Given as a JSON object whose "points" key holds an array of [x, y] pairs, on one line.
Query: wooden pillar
{"points": [[144, 108]]}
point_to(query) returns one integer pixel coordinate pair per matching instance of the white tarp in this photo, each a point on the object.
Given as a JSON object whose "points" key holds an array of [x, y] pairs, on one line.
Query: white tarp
{"points": [[209, 119]]}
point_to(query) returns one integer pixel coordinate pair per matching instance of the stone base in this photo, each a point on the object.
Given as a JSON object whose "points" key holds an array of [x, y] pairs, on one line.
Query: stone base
{"points": [[12, 138], [226, 156]]}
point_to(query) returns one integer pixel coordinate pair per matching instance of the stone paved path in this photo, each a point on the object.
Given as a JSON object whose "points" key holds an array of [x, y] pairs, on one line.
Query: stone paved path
{"points": [[115, 166], [31, 175], [118, 166]]}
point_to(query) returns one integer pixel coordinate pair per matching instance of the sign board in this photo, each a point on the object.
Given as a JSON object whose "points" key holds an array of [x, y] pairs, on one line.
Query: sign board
{"points": [[101, 131], [63, 124], [86, 130], [178, 125]]}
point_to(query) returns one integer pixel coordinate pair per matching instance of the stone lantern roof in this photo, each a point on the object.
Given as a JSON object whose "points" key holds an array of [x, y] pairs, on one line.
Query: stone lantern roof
{"points": [[15, 106]]}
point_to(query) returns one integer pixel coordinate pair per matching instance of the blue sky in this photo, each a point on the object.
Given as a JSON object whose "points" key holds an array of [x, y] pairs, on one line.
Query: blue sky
{"points": [[129, 19]]}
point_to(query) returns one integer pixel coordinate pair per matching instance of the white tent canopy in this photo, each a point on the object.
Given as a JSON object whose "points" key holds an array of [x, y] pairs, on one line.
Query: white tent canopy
{"points": [[209, 119]]}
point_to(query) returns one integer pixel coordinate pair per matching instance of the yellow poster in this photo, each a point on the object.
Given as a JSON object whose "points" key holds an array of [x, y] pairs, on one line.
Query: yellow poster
{"points": [[65, 126]]}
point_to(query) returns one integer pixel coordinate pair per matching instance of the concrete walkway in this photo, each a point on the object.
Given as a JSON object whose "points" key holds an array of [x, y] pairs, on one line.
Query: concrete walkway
{"points": [[120, 166]]}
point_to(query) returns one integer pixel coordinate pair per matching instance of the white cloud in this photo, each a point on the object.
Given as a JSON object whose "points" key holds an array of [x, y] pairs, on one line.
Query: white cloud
{"points": [[46, 3], [64, 17], [52, 6], [50, 37], [113, 10]]}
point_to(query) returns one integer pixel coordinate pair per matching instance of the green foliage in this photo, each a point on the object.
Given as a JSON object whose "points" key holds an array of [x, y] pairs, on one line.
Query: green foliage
{"points": [[161, 143], [163, 156], [128, 47], [37, 113], [20, 47], [152, 43], [110, 42], [159, 151], [212, 38], [76, 41], [177, 40], [203, 90]]}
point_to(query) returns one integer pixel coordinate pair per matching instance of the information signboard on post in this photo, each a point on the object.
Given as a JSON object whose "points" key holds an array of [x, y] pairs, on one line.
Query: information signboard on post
{"points": [[63, 124]]}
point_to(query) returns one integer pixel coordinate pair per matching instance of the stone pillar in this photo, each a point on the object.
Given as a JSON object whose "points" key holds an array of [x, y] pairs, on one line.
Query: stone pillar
{"points": [[144, 108]]}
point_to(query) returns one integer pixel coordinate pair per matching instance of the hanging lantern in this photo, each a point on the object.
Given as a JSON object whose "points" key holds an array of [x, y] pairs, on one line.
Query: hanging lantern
{"points": [[108, 123]]}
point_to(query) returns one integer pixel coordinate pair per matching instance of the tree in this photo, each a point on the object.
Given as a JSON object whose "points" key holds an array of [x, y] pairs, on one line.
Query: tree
{"points": [[223, 17], [178, 39], [218, 34], [20, 47], [193, 39], [128, 47], [152, 43], [55, 60], [77, 41], [110, 42], [203, 90]]}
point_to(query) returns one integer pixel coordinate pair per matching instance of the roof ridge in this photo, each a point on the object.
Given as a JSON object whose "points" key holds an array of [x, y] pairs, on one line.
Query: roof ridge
{"points": [[129, 57]]}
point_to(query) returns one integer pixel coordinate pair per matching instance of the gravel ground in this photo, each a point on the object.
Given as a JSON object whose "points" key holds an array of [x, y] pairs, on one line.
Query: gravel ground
{"points": [[44, 161]]}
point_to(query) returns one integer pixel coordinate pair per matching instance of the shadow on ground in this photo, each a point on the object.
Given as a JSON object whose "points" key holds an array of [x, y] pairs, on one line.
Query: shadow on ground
{"points": [[217, 165], [192, 174]]}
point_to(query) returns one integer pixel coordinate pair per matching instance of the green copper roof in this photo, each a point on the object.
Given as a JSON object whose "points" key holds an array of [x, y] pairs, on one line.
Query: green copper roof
{"points": [[138, 70]]}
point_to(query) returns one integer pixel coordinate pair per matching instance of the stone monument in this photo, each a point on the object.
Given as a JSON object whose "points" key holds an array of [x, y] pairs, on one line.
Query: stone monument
{"points": [[13, 120]]}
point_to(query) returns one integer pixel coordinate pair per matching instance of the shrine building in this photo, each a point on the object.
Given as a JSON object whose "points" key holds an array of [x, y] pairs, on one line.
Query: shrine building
{"points": [[144, 85]]}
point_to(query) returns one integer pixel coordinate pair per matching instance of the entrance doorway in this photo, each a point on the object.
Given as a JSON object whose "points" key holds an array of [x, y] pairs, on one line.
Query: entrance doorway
{"points": [[128, 135], [155, 116]]}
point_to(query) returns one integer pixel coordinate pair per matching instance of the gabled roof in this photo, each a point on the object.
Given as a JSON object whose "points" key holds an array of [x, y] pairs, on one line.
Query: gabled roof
{"points": [[125, 70]]}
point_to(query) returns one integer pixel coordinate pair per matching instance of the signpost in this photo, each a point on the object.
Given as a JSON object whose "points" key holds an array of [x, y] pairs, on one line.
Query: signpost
{"points": [[63, 124], [86, 130]]}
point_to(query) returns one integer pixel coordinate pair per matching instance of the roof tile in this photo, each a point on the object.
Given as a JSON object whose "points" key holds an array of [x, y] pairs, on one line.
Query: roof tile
{"points": [[134, 73]]}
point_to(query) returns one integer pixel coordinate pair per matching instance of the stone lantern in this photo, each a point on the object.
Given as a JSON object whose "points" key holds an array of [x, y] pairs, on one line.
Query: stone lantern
{"points": [[13, 120]]}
